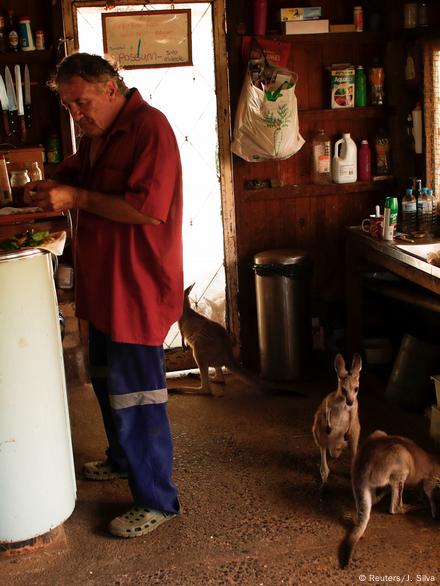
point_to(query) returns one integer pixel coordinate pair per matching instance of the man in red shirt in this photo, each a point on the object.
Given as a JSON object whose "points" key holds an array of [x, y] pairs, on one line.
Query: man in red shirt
{"points": [[125, 180]]}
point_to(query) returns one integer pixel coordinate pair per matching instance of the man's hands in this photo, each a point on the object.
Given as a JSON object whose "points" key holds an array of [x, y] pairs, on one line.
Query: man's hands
{"points": [[51, 195]]}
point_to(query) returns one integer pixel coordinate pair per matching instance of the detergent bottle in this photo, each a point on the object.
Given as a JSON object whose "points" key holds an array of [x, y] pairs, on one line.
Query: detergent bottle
{"points": [[344, 164]]}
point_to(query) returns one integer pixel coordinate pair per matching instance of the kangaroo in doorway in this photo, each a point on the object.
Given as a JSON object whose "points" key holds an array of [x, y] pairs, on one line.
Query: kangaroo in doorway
{"points": [[387, 460], [212, 347], [336, 421]]}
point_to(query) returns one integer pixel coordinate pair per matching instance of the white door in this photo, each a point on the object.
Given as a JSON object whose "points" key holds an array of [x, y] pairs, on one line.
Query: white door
{"points": [[187, 95]]}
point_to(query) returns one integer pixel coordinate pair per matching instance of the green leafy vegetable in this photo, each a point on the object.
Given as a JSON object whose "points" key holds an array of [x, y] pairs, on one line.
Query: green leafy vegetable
{"points": [[24, 240]]}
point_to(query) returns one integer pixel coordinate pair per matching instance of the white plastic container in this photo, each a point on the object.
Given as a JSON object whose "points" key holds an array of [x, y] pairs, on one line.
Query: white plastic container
{"points": [[37, 479], [344, 163]]}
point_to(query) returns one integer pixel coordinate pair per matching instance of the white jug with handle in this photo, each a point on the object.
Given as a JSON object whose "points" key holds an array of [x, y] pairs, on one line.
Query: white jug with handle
{"points": [[344, 163]]}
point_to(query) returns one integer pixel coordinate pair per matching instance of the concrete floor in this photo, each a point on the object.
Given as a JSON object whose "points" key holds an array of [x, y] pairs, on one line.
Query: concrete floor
{"points": [[247, 470]]}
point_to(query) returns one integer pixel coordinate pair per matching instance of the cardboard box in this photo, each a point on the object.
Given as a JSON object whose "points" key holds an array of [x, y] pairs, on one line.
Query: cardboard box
{"points": [[436, 379], [306, 13], [342, 85], [305, 27], [435, 423]]}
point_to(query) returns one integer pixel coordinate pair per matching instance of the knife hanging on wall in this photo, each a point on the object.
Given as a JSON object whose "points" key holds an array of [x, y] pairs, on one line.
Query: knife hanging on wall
{"points": [[12, 102], [20, 105], [5, 107], [27, 98]]}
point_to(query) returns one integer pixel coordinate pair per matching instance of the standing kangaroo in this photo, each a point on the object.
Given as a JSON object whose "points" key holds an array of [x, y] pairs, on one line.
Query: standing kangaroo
{"points": [[336, 421], [211, 346], [387, 460]]}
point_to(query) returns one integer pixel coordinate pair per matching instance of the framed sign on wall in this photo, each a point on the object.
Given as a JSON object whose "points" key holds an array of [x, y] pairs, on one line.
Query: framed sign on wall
{"points": [[157, 38]]}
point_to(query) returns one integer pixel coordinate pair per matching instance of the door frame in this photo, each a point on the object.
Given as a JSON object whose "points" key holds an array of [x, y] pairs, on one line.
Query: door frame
{"points": [[224, 137]]}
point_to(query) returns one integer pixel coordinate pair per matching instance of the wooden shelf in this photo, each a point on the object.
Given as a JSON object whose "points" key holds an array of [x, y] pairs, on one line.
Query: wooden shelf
{"points": [[327, 113], [21, 57], [353, 37], [312, 190]]}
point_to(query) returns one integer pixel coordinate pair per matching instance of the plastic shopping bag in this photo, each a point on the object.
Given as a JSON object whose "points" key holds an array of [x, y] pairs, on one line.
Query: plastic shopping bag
{"points": [[266, 128]]}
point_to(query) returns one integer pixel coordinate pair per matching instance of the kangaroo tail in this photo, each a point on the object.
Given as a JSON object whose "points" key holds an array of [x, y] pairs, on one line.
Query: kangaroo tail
{"points": [[363, 505]]}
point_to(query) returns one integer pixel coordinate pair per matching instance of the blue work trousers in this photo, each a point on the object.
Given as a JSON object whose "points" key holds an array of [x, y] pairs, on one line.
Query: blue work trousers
{"points": [[130, 385]]}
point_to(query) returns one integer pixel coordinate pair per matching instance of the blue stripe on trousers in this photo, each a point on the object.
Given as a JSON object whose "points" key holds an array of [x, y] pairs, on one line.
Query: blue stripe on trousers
{"points": [[139, 436]]}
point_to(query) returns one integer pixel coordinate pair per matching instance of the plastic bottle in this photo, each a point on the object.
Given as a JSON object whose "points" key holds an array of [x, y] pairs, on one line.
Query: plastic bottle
{"points": [[364, 162], [424, 211], [382, 149], [34, 171], [321, 158], [260, 17], [377, 79], [409, 212], [358, 19], [434, 209], [360, 87], [344, 163], [11, 31], [417, 192], [417, 128]]}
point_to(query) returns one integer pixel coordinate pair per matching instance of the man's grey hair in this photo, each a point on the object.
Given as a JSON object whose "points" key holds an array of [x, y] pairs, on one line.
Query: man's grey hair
{"points": [[91, 68]]}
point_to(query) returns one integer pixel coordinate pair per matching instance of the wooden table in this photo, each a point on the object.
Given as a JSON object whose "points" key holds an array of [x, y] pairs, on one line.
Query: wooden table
{"points": [[363, 252]]}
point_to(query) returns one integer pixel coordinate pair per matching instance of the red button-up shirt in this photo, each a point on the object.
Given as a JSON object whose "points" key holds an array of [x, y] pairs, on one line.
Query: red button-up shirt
{"points": [[129, 277]]}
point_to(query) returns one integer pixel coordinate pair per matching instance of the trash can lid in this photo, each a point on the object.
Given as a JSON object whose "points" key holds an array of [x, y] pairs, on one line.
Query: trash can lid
{"points": [[6, 255], [282, 256]]}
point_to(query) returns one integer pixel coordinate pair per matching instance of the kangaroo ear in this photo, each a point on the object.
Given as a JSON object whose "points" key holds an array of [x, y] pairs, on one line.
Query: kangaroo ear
{"points": [[189, 289], [356, 364], [340, 365]]}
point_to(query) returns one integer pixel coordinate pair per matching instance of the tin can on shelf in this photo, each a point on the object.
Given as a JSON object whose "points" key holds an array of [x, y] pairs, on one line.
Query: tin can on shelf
{"points": [[39, 40], [25, 34]]}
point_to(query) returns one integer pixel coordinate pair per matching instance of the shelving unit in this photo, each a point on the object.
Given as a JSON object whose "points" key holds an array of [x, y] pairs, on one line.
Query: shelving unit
{"points": [[311, 190], [296, 213], [45, 108]]}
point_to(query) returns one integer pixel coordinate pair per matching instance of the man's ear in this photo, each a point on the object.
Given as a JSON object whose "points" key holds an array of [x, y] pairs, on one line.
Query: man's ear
{"points": [[111, 88]]}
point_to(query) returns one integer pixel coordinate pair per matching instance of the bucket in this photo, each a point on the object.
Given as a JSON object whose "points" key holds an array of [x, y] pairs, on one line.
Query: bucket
{"points": [[410, 384]]}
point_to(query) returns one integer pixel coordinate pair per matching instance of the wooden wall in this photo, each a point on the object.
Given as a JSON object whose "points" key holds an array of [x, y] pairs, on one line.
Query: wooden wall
{"points": [[298, 214]]}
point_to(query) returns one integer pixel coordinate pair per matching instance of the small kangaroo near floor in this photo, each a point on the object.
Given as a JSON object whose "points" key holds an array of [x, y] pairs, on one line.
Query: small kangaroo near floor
{"points": [[212, 347], [387, 461], [336, 421]]}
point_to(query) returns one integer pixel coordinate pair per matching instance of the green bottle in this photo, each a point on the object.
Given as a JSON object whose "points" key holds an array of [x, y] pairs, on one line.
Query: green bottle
{"points": [[360, 87]]}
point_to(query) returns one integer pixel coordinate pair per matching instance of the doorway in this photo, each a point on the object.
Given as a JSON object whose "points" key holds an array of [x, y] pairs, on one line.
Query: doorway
{"points": [[193, 113]]}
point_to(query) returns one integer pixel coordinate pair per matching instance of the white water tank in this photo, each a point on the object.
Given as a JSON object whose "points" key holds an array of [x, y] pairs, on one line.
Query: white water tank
{"points": [[37, 478]]}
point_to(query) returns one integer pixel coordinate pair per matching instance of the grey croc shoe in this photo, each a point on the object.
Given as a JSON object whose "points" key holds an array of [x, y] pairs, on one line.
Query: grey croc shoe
{"points": [[101, 471], [138, 521]]}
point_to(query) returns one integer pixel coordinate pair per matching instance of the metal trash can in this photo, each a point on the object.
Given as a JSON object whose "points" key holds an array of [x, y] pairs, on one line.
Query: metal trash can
{"points": [[282, 282]]}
